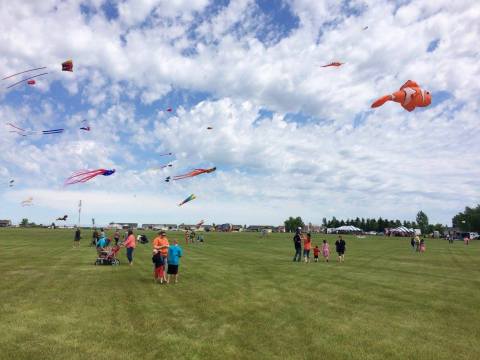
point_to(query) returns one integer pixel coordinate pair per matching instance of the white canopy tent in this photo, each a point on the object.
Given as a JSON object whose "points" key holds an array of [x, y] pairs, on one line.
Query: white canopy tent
{"points": [[402, 230], [348, 229]]}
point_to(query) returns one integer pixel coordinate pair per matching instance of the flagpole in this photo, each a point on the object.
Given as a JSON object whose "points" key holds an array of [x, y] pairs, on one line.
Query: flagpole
{"points": [[79, 211]]}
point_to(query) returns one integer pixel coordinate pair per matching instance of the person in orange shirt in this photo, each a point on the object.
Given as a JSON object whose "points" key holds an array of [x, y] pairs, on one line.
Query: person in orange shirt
{"points": [[130, 244], [307, 245], [161, 244]]}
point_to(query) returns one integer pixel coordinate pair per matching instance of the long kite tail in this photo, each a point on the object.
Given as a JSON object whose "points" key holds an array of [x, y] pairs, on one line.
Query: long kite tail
{"points": [[23, 72], [381, 101], [83, 176], [192, 173], [54, 131], [23, 80]]}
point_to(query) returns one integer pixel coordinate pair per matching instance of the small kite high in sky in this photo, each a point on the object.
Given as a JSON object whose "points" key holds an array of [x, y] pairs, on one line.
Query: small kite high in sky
{"points": [[82, 176], [190, 198], [63, 218], [166, 154], [31, 82], [85, 126], [409, 96], [193, 173], [333, 64], [365, 28], [27, 202], [11, 183], [67, 66], [169, 109], [160, 167], [209, 128]]}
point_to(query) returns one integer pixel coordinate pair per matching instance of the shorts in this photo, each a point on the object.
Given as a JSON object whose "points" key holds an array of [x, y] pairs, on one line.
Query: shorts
{"points": [[172, 269], [159, 272], [341, 252], [315, 256], [306, 253]]}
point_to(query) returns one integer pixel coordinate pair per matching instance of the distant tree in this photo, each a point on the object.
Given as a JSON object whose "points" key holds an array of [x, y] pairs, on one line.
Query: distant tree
{"points": [[324, 222], [422, 220], [24, 222], [291, 224], [439, 227], [468, 220]]}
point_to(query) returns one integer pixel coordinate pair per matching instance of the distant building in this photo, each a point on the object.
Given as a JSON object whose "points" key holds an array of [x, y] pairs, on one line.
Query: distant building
{"points": [[279, 229], [5, 223], [164, 227], [124, 225], [259, 228], [208, 228], [237, 228]]}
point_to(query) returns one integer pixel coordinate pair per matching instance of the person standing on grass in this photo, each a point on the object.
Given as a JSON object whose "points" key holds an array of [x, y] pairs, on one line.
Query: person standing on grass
{"points": [[297, 242], [417, 243], [130, 244], [94, 237], [161, 244], [76, 238], [412, 243], [307, 245], [116, 237], [316, 251], [422, 246], [187, 236], [158, 266], [340, 246], [325, 250], [174, 255]]}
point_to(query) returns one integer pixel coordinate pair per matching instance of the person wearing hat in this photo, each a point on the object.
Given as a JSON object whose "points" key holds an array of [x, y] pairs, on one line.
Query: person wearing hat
{"points": [[297, 241], [161, 244]]}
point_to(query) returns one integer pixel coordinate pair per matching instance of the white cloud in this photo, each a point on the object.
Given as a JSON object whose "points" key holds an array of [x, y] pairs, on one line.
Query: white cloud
{"points": [[391, 165]]}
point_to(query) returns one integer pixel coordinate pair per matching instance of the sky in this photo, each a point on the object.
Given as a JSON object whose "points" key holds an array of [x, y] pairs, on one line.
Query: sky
{"points": [[289, 137]]}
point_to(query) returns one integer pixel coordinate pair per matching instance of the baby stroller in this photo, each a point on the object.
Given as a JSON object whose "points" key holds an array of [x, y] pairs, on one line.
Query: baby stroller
{"points": [[108, 257], [142, 239]]}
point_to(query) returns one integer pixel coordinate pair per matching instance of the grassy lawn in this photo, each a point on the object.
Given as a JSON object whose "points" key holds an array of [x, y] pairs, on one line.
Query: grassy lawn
{"points": [[239, 297]]}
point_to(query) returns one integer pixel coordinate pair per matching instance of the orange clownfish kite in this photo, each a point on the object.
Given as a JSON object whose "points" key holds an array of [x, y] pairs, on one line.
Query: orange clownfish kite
{"points": [[409, 96]]}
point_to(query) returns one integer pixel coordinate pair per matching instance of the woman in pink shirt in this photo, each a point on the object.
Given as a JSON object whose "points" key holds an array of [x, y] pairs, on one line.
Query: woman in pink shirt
{"points": [[130, 244]]}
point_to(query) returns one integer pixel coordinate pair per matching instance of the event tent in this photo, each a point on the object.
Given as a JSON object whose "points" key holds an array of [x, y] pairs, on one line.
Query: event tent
{"points": [[347, 229], [402, 231]]}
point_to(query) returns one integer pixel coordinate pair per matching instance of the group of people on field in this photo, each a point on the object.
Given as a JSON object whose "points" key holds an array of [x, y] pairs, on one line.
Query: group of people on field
{"points": [[306, 239], [417, 244], [165, 256]]}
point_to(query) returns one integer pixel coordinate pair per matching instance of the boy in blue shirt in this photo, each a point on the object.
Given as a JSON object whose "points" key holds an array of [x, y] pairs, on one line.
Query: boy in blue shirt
{"points": [[173, 260]]}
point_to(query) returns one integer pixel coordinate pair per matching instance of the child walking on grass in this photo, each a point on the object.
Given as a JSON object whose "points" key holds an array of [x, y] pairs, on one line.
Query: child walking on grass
{"points": [[158, 266], [174, 255], [316, 251], [325, 250]]}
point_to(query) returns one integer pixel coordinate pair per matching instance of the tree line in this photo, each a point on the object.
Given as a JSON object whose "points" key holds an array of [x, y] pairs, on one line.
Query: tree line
{"points": [[371, 224]]}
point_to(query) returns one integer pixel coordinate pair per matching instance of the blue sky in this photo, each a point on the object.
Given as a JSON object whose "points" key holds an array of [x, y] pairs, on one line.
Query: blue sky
{"points": [[289, 137]]}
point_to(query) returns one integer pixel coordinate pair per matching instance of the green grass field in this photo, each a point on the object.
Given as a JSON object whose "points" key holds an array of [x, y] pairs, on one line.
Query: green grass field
{"points": [[239, 297]]}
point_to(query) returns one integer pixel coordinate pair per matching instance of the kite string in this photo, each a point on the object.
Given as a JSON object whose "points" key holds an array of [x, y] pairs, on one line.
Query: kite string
{"points": [[23, 72]]}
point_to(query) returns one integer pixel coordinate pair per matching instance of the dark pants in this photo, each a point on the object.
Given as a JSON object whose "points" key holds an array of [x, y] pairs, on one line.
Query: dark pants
{"points": [[130, 254], [298, 252]]}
